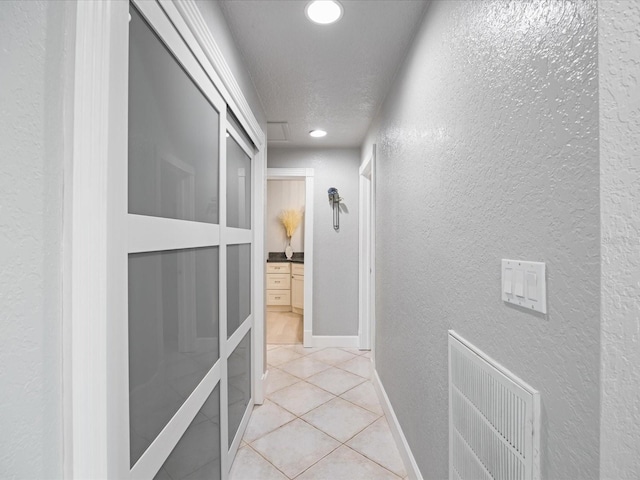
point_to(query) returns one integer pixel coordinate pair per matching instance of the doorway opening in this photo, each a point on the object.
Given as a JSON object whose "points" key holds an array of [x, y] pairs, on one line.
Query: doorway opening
{"points": [[289, 253], [285, 225]]}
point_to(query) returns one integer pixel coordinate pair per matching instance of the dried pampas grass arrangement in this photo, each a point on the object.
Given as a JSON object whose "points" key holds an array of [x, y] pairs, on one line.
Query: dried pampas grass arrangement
{"points": [[290, 220]]}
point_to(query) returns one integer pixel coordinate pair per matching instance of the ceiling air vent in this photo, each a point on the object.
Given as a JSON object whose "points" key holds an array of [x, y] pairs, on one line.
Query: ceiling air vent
{"points": [[277, 132]]}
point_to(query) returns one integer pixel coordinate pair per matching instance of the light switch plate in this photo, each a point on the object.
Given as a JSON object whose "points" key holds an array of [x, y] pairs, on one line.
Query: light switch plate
{"points": [[534, 296]]}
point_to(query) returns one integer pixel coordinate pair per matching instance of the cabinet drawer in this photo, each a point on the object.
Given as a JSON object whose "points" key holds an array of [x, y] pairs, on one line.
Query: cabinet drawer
{"points": [[278, 281], [277, 297], [297, 269], [278, 268]]}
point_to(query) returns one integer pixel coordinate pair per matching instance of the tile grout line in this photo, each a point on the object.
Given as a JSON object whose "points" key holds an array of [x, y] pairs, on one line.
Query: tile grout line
{"points": [[309, 383], [371, 459], [319, 460], [337, 439], [267, 460], [324, 363], [316, 386], [298, 417], [271, 431], [340, 443], [334, 396]]}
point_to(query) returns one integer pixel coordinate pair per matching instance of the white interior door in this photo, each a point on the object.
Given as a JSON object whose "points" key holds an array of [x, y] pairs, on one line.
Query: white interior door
{"points": [[190, 268], [162, 265]]}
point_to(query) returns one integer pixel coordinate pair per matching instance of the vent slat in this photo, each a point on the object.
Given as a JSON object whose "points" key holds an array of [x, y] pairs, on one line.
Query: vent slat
{"points": [[489, 411]]}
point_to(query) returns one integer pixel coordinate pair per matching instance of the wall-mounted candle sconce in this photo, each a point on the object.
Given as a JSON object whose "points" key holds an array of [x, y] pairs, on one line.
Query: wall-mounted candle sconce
{"points": [[334, 200]]}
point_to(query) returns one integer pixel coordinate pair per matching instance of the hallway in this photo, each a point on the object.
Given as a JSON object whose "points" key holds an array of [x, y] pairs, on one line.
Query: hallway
{"points": [[138, 138], [321, 419]]}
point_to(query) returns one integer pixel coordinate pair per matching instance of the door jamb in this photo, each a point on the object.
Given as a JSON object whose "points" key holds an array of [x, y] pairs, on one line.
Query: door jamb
{"points": [[367, 248], [95, 258]]}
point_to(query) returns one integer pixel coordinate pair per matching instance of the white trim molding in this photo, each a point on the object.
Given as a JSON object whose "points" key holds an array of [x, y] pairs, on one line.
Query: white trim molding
{"points": [[332, 341], [258, 298], [201, 41], [367, 242], [97, 280], [263, 382], [410, 465], [287, 173]]}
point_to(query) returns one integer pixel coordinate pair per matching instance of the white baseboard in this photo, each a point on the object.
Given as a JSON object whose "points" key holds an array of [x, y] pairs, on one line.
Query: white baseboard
{"points": [[410, 465], [307, 340], [325, 341]]}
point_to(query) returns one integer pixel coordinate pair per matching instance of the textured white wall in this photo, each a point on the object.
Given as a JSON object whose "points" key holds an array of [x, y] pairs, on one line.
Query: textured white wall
{"points": [[488, 149], [619, 62], [335, 262], [283, 195], [37, 41]]}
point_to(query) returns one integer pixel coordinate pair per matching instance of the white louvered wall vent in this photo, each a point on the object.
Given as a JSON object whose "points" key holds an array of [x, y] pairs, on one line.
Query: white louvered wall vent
{"points": [[494, 418]]}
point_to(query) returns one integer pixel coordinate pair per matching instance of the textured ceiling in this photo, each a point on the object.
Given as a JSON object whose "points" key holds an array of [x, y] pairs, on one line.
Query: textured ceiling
{"points": [[332, 77]]}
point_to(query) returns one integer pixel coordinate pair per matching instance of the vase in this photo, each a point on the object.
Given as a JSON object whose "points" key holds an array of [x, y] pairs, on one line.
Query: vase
{"points": [[288, 251]]}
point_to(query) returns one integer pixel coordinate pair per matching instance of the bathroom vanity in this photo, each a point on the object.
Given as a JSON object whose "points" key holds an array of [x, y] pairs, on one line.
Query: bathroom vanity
{"points": [[285, 284]]}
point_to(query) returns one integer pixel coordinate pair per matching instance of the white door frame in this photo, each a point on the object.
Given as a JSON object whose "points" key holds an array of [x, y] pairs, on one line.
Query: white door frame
{"points": [[96, 216], [306, 174], [367, 228], [95, 277]]}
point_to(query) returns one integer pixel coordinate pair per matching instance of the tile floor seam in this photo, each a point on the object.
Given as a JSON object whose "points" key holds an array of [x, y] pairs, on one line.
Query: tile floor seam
{"points": [[271, 431], [294, 375], [366, 414], [349, 371], [361, 406], [299, 417], [266, 460], [312, 465], [337, 439], [329, 453], [337, 394], [302, 380], [281, 426], [376, 461], [379, 415], [318, 386], [372, 460], [276, 368]]}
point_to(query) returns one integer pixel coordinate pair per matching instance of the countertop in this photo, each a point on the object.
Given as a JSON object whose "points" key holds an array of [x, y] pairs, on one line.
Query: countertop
{"points": [[280, 257]]}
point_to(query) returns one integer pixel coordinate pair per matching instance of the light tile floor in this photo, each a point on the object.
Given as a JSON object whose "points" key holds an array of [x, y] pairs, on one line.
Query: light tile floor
{"points": [[284, 328], [321, 420]]}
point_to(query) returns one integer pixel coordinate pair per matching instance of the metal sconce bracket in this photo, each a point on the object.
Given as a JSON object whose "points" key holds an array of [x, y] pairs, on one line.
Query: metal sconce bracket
{"points": [[334, 199]]}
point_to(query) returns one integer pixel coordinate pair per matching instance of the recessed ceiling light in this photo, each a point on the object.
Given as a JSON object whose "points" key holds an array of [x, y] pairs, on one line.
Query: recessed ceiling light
{"points": [[317, 133], [323, 11]]}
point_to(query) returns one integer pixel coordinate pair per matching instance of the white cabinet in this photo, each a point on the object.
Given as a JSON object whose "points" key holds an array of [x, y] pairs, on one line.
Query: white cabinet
{"points": [[285, 287], [279, 286], [278, 267], [278, 281], [279, 298], [297, 287]]}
